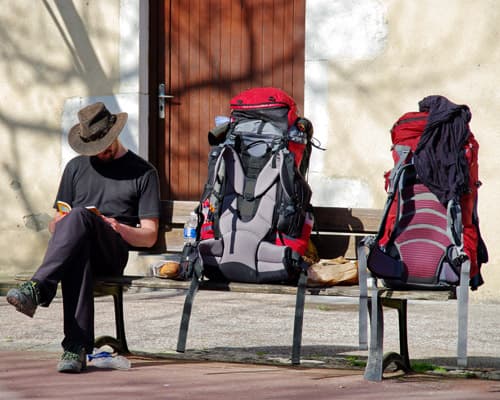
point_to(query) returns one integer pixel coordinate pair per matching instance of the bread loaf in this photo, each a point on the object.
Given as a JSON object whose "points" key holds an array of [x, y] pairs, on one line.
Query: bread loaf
{"points": [[170, 269]]}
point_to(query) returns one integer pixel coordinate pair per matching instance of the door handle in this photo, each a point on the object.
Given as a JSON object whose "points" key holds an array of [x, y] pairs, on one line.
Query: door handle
{"points": [[161, 100]]}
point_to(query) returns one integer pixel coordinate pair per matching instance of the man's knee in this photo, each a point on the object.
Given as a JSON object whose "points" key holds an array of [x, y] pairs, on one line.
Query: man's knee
{"points": [[79, 217]]}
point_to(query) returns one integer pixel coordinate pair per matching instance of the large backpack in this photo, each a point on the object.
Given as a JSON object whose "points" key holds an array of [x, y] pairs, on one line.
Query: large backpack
{"points": [[255, 214], [428, 227]]}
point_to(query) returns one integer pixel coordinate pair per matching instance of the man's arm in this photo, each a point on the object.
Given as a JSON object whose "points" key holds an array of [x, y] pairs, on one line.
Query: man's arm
{"points": [[143, 236]]}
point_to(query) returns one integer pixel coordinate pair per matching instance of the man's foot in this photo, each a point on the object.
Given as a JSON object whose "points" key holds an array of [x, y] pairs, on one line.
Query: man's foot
{"points": [[25, 298], [72, 362]]}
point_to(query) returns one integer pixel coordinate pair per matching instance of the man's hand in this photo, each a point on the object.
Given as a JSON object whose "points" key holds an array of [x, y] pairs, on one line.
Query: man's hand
{"points": [[57, 217], [112, 222], [143, 236]]}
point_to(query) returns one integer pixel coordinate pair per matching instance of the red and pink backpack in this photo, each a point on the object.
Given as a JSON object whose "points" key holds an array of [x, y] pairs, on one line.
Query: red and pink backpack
{"points": [[422, 242]]}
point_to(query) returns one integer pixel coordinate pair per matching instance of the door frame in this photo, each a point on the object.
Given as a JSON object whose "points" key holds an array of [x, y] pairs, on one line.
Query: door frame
{"points": [[143, 78], [134, 56], [154, 77]]}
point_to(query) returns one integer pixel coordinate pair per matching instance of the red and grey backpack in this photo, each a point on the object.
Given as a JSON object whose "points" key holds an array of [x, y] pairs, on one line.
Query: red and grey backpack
{"points": [[255, 216]]}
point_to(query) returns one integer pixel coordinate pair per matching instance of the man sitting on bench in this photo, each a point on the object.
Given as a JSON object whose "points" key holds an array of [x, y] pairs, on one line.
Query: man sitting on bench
{"points": [[86, 244]]}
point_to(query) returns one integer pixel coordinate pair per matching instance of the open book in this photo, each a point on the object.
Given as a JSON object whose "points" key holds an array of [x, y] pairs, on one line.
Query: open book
{"points": [[65, 208]]}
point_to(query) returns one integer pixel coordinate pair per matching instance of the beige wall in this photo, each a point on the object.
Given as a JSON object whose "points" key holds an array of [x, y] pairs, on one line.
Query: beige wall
{"points": [[51, 51], [371, 61], [367, 62]]}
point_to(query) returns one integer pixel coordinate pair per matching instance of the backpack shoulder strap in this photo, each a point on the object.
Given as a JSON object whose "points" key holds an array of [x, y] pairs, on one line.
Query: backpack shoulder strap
{"points": [[403, 153], [394, 182]]}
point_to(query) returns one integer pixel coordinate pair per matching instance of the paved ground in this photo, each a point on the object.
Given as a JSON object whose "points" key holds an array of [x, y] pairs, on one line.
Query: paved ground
{"points": [[29, 375], [247, 356]]}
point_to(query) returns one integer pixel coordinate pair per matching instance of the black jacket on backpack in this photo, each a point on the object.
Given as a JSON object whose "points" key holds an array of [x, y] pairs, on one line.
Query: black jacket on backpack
{"points": [[440, 157]]}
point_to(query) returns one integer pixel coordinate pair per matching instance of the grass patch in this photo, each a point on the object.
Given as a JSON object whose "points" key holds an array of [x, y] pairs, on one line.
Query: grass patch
{"points": [[427, 367], [355, 362]]}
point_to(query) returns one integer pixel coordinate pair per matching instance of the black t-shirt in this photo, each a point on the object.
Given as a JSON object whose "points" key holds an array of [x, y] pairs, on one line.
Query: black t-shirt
{"points": [[126, 188]]}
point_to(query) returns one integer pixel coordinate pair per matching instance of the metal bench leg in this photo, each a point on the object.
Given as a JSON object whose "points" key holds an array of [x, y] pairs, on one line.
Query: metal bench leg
{"points": [[120, 343], [463, 314], [299, 318], [119, 319], [363, 297], [402, 360], [186, 314], [374, 366]]}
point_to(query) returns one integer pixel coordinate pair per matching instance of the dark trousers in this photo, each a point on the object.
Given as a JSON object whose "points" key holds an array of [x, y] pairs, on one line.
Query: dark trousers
{"points": [[82, 248]]}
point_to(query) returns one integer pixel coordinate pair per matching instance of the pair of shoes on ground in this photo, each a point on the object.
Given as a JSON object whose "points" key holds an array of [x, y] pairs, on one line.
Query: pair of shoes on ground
{"points": [[25, 298]]}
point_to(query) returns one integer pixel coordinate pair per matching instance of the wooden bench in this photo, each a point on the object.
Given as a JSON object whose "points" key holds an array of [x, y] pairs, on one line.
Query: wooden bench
{"points": [[337, 232]]}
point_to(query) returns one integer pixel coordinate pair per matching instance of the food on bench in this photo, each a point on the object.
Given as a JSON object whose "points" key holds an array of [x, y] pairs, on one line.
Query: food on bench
{"points": [[166, 269], [337, 271], [170, 269]]}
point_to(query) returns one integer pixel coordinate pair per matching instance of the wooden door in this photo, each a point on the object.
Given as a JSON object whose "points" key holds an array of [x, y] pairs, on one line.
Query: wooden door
{"points": [[205, 52]]}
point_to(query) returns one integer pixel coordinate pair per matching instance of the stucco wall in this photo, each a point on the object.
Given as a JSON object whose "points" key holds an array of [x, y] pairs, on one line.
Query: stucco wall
{"points": [[51, 51], [368, 62]]}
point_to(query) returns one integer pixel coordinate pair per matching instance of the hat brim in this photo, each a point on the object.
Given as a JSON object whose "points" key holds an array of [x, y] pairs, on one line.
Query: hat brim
{"points": [[96, 146]]}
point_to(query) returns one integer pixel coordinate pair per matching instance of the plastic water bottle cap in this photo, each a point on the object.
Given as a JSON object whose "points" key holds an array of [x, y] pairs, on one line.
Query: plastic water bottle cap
{"points": [[221, 119]]}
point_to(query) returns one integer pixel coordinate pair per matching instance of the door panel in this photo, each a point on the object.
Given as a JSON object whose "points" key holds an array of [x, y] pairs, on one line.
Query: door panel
{"points": [[206, 52]]}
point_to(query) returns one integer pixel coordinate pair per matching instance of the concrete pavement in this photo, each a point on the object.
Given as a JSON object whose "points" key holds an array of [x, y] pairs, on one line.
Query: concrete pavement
{"points": [[30, 375], [239, 348]]}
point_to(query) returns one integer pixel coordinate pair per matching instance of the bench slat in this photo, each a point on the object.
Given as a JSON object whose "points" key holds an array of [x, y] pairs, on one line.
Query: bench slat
{"points": [[176, 212], [330, 219], [347, 220], [159, 283], [341, 223], [344, 291]]}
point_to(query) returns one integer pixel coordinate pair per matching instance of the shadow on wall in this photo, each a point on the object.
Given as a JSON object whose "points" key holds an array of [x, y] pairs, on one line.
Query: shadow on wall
{"points": [[67, 55], [36, 65]]}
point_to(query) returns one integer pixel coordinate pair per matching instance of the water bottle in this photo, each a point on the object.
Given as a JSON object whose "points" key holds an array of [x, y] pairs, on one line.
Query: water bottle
{"points": [[105, 359], [190, 228]]}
